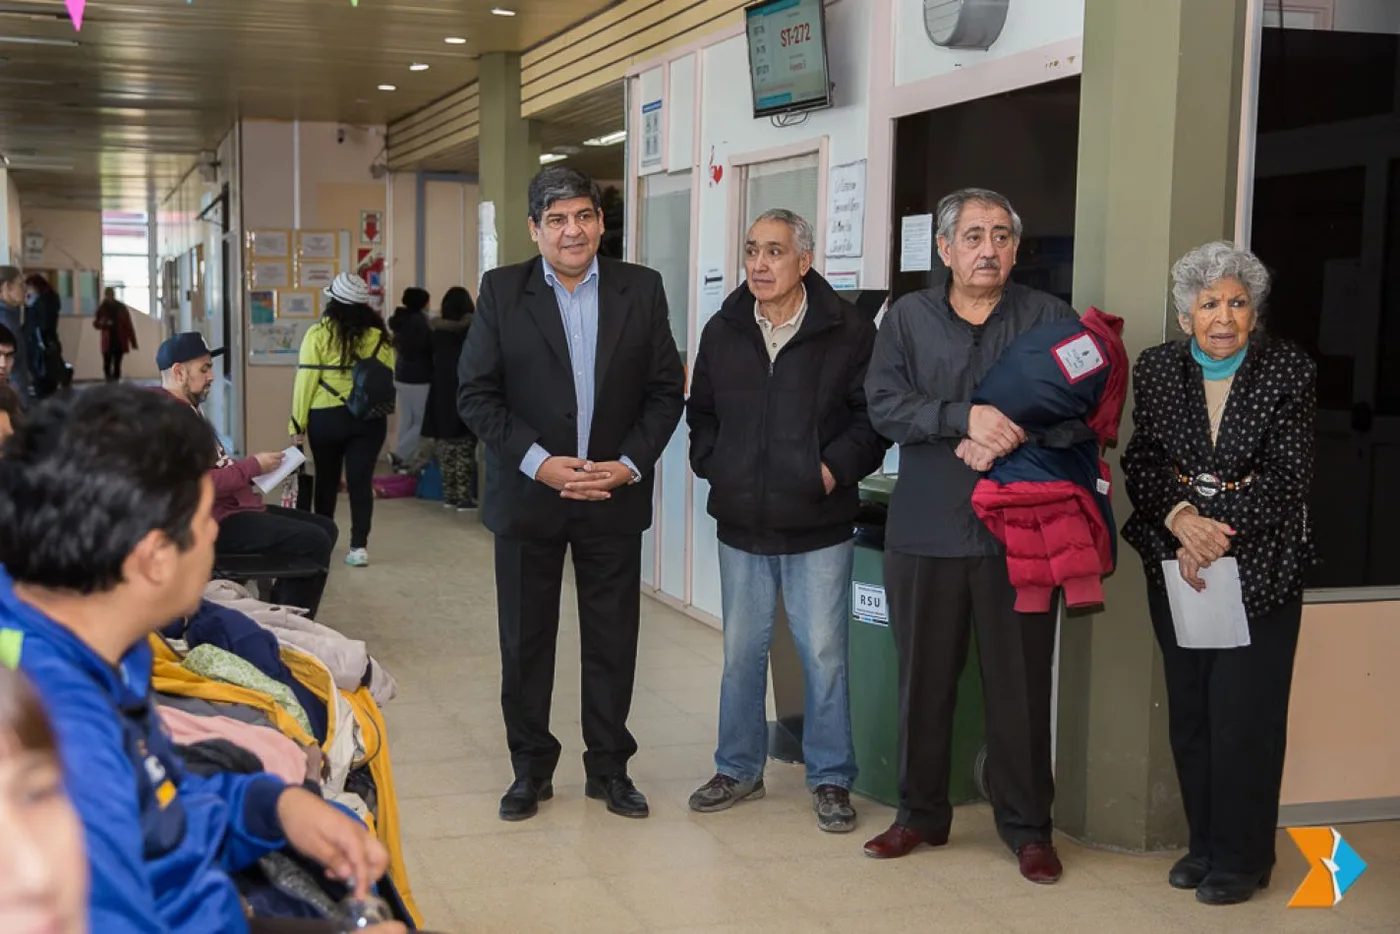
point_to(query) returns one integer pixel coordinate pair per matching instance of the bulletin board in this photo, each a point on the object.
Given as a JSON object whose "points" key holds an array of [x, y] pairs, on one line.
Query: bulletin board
{"points": [[279, 315]]}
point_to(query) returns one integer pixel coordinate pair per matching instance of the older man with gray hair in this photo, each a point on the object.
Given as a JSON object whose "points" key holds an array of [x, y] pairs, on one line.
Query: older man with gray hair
{"points": [[945, 573], [778, 427]]}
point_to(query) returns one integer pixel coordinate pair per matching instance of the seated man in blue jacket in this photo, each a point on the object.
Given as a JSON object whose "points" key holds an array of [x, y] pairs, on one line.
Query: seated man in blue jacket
{"points": [[105, 536]]}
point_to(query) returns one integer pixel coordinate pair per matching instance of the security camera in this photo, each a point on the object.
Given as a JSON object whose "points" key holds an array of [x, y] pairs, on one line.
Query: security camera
{"points": [[340, 134]]}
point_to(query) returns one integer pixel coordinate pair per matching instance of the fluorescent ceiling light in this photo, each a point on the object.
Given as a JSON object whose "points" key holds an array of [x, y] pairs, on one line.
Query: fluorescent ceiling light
{"points": [[501, 11], [548, 157], [611, 139], [39, 40], [455, 40], [387, 87], [418, 66]]}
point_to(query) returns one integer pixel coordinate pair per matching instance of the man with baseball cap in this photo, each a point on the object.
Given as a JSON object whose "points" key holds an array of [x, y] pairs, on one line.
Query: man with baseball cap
{"points": [[247, 525]]}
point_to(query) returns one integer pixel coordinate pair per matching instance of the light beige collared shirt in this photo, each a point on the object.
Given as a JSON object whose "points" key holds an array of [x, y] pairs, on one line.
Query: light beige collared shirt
{"points": [[775, 338]]}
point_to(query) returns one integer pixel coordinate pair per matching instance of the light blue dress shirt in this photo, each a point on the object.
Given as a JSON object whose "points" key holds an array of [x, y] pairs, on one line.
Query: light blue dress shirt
{"points": [[578, 310]]}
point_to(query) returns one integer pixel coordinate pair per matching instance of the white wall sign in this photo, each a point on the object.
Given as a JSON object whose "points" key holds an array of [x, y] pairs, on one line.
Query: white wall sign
{"points": [[489, 245], [843, 281], [651, 137], [33, 248], [916, 243], [868, 604], [845, 214]]}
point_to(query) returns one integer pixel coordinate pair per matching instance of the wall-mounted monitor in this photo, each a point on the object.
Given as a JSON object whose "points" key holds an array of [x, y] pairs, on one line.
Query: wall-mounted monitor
{"points": [[787, 56]]}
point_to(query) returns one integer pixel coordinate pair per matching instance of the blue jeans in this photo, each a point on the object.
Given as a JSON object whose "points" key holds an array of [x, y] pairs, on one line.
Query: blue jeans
{"points": [[816, 589]]}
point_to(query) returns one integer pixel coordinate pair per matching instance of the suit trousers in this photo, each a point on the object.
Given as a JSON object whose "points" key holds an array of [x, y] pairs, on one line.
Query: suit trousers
{"points": [[935, 603], [608, 578], [1228, 714]]}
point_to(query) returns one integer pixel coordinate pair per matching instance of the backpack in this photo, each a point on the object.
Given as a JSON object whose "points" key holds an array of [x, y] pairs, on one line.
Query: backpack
{"points": [[372, 392]]}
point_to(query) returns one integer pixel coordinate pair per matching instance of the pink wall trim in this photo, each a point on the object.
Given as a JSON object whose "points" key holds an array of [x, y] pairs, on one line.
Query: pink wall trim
{"points": [[888, 102]]}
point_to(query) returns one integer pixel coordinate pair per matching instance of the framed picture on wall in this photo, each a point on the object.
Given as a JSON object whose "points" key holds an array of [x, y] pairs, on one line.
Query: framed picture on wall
{"points": [[316, 244], [262, 306], [269, 274], [316, 274], [269, 243], [299, 303]]}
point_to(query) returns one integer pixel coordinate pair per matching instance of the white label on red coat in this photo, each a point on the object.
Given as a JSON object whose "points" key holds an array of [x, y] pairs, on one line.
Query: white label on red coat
{"points": [[1079, 357]]}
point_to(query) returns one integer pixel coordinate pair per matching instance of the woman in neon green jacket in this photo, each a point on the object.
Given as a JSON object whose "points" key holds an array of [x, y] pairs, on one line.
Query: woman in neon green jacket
{"points": [[349, 331]]}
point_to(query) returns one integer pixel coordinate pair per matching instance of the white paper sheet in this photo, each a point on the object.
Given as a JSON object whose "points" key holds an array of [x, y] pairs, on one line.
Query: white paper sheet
{"points": [[292, 458], [916, 243], [1215, 617]]}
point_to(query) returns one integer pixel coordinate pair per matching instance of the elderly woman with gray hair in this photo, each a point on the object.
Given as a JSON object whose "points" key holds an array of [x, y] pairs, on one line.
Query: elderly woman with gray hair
{"points": [[1219, 465]]}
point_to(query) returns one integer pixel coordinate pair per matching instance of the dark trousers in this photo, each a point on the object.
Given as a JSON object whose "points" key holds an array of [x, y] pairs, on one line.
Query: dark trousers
{"points": [[112, 364], [279, 532], [340, 441], [457, 457], [934, 605], [1228, 710], [529, 575]]}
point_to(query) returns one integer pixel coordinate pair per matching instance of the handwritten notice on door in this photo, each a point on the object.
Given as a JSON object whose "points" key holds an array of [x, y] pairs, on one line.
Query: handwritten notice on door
{"points": [[916, 243], [845, 224]]}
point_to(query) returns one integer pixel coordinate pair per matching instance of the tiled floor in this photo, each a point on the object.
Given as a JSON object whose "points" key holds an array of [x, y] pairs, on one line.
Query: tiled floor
{"points": [[427, 608]]}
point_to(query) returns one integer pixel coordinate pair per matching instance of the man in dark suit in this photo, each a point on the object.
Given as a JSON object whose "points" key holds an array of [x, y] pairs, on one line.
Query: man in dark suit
{"points": [[571, 377]]}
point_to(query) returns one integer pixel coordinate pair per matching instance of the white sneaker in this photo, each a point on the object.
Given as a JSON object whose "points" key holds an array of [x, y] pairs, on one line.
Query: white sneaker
{"points": [[357, 558]]}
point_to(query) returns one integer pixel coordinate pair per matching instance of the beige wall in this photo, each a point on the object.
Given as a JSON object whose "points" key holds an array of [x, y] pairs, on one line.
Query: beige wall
{"points": [[72, 239], [285, 164], [1343, 735], [13, 221]]}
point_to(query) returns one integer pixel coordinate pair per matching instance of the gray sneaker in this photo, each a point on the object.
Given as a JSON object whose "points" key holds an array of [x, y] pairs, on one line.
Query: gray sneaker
{"points": [[833, 806], [722, 792]]}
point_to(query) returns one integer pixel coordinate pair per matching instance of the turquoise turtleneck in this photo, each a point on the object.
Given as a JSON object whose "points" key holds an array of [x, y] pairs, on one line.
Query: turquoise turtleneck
{"points": [[1218, 369]]}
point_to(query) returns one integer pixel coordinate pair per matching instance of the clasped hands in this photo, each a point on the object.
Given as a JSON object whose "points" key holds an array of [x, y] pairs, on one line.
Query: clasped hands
{"points": [[579, 479], [1203, 541], [990, 435]]}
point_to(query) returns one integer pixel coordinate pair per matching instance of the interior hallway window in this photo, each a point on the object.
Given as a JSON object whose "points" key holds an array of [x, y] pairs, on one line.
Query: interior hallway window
{"points": [[791, 184], [126, 257]]}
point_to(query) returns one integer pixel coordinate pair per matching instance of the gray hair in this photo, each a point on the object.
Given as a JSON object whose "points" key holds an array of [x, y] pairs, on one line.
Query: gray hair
{"points": [[1206, 265], [802, 233], [557, 183], [951, 207]]}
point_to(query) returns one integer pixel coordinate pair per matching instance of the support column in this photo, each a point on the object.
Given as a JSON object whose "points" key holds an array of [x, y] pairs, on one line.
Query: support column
{"points": [[1158, 158], [509, 153], [5, 208]]}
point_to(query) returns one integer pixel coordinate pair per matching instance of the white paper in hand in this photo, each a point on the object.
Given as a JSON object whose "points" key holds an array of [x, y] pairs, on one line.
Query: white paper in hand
{"points": [[292, 458], [1215, 617]]}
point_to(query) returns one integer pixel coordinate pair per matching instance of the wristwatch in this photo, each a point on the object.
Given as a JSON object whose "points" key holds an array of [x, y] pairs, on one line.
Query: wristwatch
{"points": [[636, 476]]}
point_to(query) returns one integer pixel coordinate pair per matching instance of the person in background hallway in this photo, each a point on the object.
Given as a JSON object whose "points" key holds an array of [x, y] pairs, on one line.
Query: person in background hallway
{"points": [[118, 334], [43, 867], [349, 331], [11, 413], [12, 298], [247, 525], [9, 348], [945, 572], [413, 371], [455, 445], [1218, 466], [779, 429], [571, 377], [41, 322]]}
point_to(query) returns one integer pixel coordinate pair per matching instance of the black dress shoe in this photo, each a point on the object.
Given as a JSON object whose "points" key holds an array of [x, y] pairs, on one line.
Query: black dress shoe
{"points": [[1188, 872], [622, 796], [523, 799], [1231, 888]]}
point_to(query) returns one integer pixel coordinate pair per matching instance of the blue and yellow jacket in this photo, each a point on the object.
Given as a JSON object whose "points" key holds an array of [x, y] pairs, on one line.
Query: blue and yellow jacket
{"points": [[161, 842]]}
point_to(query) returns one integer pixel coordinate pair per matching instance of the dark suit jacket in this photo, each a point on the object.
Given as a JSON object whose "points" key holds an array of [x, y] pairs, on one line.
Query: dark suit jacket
{"points": [[517, 389]]}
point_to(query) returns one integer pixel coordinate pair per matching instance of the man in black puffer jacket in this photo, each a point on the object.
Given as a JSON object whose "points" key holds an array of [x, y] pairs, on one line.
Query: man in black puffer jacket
{"points": [[778, 427]]}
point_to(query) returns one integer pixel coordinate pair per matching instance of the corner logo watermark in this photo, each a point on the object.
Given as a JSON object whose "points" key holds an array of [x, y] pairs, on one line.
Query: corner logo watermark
{"points": [[1333, 867]]}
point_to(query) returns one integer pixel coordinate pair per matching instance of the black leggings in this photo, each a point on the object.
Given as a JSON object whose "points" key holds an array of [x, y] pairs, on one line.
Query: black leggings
{"points": [[339, 440], [112, 364]]}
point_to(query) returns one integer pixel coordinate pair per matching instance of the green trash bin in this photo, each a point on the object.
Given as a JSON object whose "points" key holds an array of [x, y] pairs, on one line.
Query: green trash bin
{"points": [[874, 674]]}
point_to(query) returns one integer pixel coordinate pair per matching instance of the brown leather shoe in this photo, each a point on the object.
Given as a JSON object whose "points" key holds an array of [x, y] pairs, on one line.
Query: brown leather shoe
{"points": [[1039, 862], [899, 841]]}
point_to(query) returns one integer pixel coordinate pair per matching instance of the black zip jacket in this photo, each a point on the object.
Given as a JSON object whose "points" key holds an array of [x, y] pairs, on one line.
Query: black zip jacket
{"points": [[760, 431], [441, 420], [413, 347]]}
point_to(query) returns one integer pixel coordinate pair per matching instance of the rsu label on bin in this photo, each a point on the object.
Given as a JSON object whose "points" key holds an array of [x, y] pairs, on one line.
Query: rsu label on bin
{"points": [[868, 604]]}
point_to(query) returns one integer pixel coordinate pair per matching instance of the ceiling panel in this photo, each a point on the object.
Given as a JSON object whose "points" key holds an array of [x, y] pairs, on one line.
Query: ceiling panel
{"points": [[91, 118]]}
